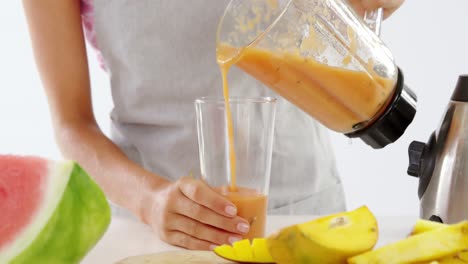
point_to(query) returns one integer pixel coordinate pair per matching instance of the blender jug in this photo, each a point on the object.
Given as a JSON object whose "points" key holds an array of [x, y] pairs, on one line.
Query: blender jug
{"points": [[323, 58]]}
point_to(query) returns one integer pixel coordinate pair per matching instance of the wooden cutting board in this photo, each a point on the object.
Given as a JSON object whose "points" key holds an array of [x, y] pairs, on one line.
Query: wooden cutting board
{"points": [[177, 257]]}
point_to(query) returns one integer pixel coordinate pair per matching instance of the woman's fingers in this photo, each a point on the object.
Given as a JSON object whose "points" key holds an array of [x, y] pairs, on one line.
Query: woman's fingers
{"points": [[202, 231], [386, 4], [183, 240], [202, 194], [357, 6], [389, 6], [191, 209]]}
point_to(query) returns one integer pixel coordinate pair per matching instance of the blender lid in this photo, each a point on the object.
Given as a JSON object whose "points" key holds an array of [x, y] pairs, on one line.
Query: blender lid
{"points": [[391, 125]]}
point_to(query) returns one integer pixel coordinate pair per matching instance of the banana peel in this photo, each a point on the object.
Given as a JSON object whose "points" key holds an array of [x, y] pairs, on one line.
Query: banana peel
{"points": [[425, 247]]}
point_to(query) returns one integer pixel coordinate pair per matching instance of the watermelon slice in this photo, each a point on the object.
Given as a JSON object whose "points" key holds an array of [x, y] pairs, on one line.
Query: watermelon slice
{"points": [[50, 211]]}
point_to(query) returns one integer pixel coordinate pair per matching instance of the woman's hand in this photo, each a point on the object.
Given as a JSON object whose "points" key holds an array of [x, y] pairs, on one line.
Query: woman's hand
{"points": [[190, 214], [389, 6]]}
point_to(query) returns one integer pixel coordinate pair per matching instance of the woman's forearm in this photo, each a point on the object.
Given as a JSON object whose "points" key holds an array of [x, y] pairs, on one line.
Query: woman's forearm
{"points": [[58, 43], [124, 182]]}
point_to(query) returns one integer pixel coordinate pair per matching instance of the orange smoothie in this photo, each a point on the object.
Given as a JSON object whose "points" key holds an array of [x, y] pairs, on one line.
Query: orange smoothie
{"points": [[230, 129], [252, 206], [225, 61], [338, 98]]}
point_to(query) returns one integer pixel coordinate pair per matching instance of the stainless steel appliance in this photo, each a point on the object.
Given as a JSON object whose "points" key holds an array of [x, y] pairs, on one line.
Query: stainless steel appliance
{"points": [[441, 164]]}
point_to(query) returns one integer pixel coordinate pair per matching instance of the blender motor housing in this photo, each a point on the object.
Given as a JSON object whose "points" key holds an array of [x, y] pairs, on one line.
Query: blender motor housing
{"points": [[441, 164]]}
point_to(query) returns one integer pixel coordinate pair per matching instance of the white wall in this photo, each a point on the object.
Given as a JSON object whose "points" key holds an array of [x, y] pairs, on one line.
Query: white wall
{"points": [[25, 126], [428, 39]]}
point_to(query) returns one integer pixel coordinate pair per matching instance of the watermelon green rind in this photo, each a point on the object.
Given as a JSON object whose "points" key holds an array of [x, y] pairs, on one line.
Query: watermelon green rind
{"points": [[53, 188], [77, 223]]}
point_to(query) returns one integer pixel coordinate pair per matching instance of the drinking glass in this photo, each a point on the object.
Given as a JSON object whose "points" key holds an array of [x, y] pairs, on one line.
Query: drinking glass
{"points": [[243, 178]]}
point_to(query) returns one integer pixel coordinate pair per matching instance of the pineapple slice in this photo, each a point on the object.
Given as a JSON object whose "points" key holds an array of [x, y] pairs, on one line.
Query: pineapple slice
{"points": [[421, 248], [329, 239], [422, 226], [459, 258]]}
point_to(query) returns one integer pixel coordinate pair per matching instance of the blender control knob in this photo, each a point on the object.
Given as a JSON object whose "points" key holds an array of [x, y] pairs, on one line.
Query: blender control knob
{"points": [[436, 218], [415, 151]]}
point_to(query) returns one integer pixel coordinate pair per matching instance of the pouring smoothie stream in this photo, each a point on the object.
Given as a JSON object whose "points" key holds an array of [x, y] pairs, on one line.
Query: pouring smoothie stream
{"points": [[251, 204]]}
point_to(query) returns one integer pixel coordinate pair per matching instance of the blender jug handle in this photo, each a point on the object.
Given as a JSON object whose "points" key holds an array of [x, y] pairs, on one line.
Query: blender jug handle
{"points": [[373, 20]]}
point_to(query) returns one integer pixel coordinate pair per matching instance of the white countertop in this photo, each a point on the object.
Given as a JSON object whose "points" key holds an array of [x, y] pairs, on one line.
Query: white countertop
{"points": [[127, 237]]}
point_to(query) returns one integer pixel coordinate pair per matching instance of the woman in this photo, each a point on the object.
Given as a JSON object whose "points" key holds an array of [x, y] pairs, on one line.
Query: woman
{"points": [[160, 56]]}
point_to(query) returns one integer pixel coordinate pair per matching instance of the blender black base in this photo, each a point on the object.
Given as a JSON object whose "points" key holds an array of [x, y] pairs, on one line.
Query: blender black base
{"points": [[392, 123]]}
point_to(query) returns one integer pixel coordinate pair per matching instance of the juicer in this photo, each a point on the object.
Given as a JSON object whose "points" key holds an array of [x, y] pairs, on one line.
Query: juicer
{"points": [[441, 164]]}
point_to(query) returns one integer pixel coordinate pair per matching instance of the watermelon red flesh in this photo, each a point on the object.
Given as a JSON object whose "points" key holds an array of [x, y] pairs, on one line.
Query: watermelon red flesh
{"points": [[68, 215], [21, 199]]}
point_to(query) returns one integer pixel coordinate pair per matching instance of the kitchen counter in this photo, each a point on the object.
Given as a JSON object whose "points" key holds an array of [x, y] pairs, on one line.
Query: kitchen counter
{"points": [[128, 237]]}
